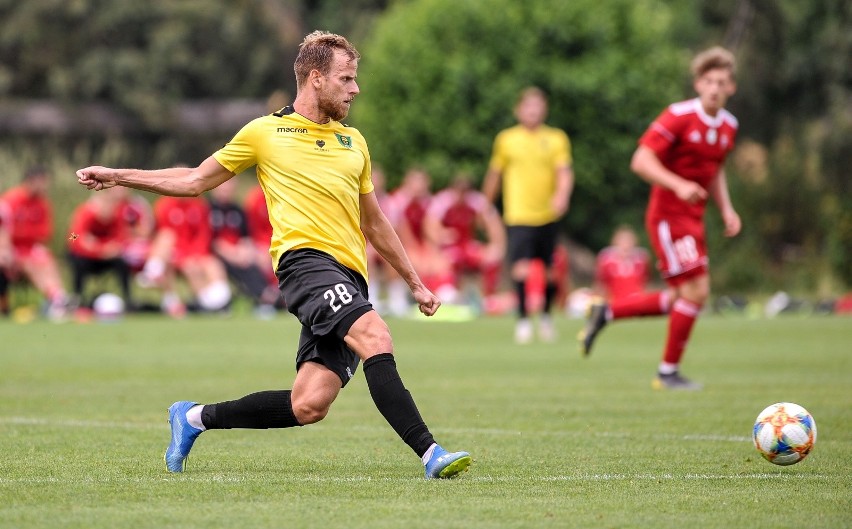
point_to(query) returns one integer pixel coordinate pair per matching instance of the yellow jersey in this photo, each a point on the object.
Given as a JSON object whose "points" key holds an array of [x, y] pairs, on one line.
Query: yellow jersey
{"points": [[527, 160], [312, 176]]}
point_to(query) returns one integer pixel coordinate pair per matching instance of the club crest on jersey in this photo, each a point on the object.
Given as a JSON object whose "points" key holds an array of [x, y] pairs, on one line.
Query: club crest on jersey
{"points": [[346, 141], [712, 136]]}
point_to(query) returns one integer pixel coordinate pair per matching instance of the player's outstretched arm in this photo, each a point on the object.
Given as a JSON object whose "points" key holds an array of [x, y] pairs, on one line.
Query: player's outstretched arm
{"points": [[379, 231], [176, 181]]}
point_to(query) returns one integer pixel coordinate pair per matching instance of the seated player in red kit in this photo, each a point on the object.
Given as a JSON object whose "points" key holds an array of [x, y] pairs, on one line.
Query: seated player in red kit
{"points": [[468, 230], [182, 245], [623, 267], [96, 243], [28, 225]]}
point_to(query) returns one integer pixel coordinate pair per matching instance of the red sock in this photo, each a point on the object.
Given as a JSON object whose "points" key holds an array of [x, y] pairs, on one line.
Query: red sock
{"points": [[490, 278], [642, 304], [682, 318]]}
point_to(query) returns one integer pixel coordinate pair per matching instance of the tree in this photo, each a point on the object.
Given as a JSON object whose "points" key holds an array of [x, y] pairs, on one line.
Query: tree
{"points": [[440, 78], [146, 56]]}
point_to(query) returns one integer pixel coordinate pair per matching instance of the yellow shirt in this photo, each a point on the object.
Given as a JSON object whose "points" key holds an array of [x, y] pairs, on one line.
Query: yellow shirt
{"points": [[528, 160], [312, 176]]}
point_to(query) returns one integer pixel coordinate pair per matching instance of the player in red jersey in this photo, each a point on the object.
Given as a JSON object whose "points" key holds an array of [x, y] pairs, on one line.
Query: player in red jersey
{"points": [[96, 242], [182, 244], [29, 225], [455, 220], [621, 269], [681, 155]]}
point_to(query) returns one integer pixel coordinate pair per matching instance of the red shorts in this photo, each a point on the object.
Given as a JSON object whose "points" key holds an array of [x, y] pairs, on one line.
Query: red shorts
{"points": [[680, 247], [36, 253], [181, 256]]}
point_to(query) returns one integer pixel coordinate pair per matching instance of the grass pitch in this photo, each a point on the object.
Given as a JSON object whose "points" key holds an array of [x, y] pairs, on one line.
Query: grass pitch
{"points": [[557, 441]]}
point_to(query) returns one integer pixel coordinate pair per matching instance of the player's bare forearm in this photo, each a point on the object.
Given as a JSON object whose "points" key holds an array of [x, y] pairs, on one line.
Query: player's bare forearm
{"points": [[379, 231], [718, 190], [175, 181], [564, 188], [386, 242], [491, 184]]}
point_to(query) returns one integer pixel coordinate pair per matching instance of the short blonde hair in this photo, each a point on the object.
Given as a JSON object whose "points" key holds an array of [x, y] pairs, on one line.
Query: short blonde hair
{"points": [[714, 58], [316, 52]]}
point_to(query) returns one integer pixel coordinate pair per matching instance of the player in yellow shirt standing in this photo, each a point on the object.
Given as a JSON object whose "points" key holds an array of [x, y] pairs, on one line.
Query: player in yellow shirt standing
{"points": [[315, 173], [533, 161]]}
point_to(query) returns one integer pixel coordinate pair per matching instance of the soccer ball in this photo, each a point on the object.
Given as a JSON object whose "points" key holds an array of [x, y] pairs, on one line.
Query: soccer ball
{"points": [[108, 307], [784, 433]]}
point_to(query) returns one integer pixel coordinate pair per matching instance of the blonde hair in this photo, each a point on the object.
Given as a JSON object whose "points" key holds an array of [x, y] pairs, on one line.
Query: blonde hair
{"points": [[316, 52], [714, 58]]}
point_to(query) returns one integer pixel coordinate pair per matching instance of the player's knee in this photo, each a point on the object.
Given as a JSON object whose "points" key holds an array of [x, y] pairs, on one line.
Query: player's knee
{"points": [[369, 335], [696, 292], [309, 412]]}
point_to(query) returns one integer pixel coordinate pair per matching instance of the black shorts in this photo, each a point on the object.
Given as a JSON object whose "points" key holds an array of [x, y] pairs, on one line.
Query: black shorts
{"points": [[327, 298], [532, 242]]}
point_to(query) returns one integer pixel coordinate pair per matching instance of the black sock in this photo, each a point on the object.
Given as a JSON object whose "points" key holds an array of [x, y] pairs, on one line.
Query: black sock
{"points": [[262, 410], [549, 294], [521, 292], [395, 402]]}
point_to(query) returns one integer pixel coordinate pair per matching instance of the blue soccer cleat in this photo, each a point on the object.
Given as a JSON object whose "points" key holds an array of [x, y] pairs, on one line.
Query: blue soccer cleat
{"points": [[183, 436], [445, 465]]}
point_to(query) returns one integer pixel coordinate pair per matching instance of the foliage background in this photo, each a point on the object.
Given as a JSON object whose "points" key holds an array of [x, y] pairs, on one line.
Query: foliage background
{"points": [[439, 79]]}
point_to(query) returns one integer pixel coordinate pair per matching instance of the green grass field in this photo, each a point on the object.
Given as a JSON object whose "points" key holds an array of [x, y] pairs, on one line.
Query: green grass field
{"points": [[557, 441]]}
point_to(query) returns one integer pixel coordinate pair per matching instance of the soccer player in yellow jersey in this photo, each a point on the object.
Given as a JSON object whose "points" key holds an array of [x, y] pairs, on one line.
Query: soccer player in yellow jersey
{"points": [[533, 163], [315, 173]]}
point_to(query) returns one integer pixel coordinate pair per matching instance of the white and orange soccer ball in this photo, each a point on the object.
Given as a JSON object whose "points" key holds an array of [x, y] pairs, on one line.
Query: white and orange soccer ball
{"points": [[784, 433]]}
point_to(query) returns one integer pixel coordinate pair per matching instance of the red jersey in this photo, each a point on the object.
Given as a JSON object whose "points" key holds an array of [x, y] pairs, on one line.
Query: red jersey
{"points": [[691, 144], [458, 215], [135, 214], [29, 218], [189, 219], [622, 275], [257, 217], [94, 234], [412, 211]]}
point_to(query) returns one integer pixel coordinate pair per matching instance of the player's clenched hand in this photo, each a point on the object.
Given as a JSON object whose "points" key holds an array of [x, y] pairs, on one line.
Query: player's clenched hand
{"points": [[426, 300], [96, 177], [732, 221], [691, 192]]}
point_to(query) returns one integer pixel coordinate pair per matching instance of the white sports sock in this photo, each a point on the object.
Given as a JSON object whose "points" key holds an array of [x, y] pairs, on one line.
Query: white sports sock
{"points": [[667, 368], [193, 417], [215, 296], [428, 455]]}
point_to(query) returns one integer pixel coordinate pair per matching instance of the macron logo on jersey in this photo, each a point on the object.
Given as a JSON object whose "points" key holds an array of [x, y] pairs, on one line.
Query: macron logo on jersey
{"points": [[297, 130]]}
